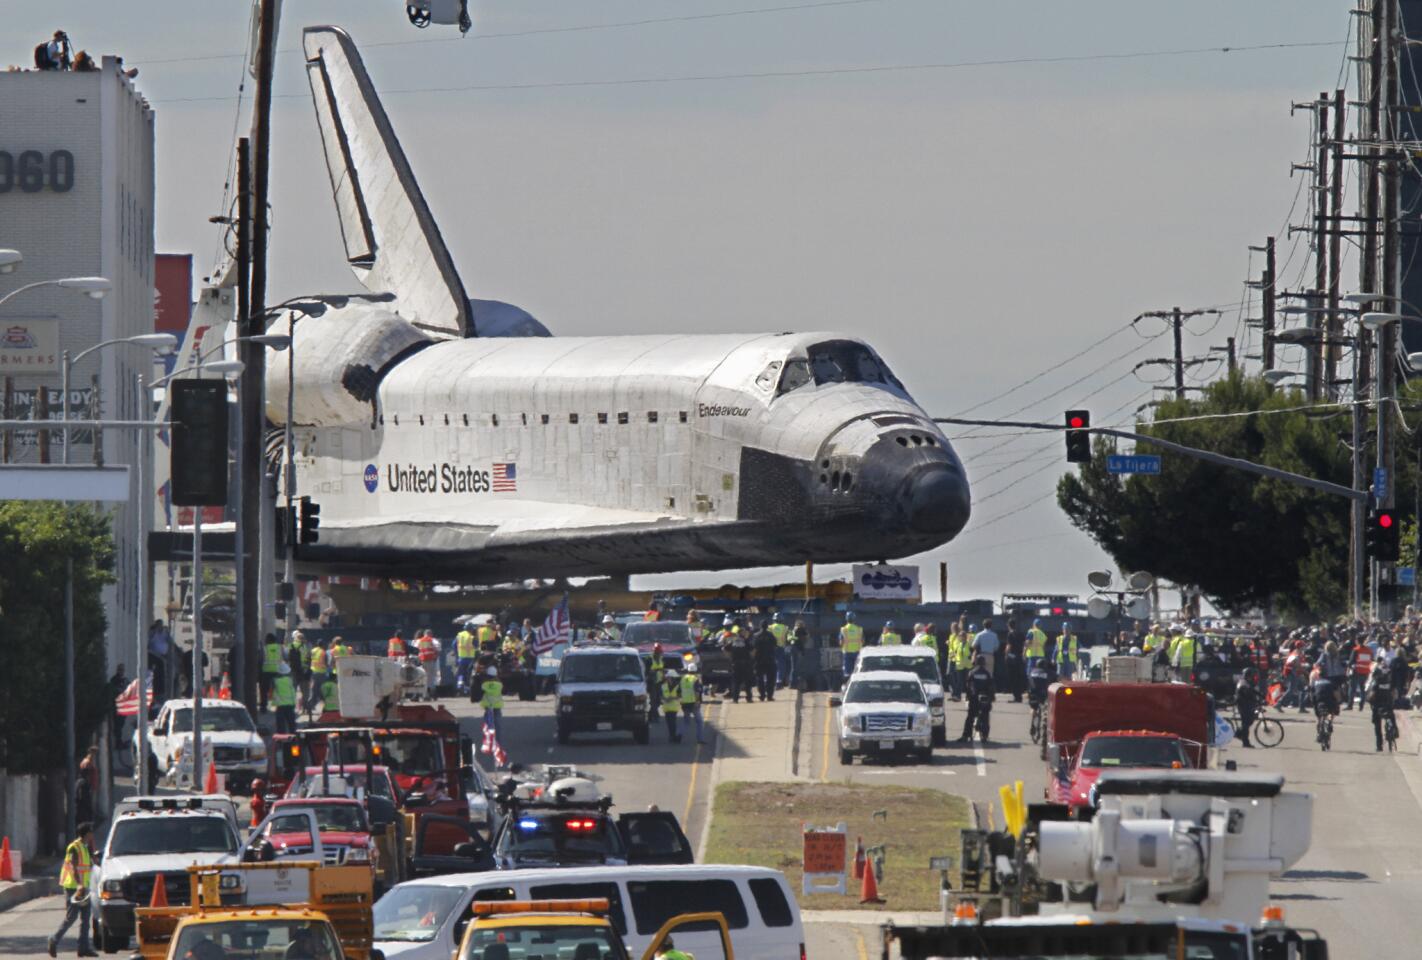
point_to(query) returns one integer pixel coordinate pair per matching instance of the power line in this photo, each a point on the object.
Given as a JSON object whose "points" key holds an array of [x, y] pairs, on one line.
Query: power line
{"points": [[578, 28], [815, 72]]}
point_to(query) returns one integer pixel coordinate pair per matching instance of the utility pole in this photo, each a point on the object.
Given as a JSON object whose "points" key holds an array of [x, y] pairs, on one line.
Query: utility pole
{"points": [[1334, 326], [1268, 315], [247, 537], [1177, 322], [1320, 249], [1391, 279]]}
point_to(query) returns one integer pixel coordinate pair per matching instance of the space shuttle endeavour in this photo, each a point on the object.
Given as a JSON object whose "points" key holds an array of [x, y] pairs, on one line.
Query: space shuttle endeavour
{"points": [[450, 438]]}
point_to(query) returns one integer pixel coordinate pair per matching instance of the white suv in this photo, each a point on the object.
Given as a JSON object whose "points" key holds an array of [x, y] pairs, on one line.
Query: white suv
{"points": [[913, 659], [885, 713]]}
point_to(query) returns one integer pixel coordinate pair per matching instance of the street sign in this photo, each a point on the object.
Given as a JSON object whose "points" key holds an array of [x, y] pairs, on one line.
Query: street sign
{"points": [[1147, 463], [823, 858], [1406, 576], [1380, 484]]}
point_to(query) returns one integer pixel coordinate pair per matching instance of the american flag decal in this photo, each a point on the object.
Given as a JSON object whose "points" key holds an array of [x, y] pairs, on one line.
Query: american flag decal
{"points": [[505, 478]]}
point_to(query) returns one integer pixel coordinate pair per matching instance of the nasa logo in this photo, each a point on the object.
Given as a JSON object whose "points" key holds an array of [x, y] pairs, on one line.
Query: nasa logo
{"points": [[372, 477]]}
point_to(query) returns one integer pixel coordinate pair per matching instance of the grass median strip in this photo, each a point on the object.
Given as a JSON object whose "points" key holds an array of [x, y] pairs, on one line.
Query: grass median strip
{"points": [[759, 823]]}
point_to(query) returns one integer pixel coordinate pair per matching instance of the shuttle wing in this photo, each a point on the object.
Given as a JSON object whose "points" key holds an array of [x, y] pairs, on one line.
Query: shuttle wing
{"points": [[391, 239]]}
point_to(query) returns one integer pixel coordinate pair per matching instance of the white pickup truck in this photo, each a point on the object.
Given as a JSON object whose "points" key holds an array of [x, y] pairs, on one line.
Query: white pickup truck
{"points": [[238, 750]]}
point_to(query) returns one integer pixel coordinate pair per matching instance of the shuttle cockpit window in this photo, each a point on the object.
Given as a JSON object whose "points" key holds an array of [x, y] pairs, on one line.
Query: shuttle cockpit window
{"points": [[795, 375], [840, 361]]}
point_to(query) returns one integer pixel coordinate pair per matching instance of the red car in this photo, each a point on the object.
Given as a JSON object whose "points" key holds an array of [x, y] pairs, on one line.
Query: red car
{"points": [[1114, 750], [345, 830]]}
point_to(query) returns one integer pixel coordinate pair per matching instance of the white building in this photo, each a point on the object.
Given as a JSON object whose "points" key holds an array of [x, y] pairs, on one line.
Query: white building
{"points": [[76, 199]]}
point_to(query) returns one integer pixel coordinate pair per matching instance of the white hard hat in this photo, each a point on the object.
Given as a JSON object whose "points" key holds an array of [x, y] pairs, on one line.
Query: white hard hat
{"points": [[297, 635], [283, 667], [491, 672], [1136, 651], [690, 666]]}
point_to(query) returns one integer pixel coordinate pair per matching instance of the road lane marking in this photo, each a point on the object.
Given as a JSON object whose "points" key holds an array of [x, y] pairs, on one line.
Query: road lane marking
{"points": [[981, 759], [908, 772], [695, 763], [859, 946], [824, 744]]}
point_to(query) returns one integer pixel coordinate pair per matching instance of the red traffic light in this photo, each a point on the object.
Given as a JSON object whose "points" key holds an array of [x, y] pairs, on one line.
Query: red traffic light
{"points": [[1385, 520], [1076, 423]]}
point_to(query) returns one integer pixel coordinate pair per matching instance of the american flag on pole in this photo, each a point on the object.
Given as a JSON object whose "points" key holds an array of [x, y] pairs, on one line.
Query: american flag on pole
{"points": [[126, 703], [557, 628], [505, 478], [490, 741]]}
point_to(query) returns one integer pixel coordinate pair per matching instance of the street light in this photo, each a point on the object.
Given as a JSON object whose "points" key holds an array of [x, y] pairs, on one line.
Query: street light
{"points": [[1279, 376], [162, 344], [93, 287], [10, 260], [1376, 321], [1297, 335]]}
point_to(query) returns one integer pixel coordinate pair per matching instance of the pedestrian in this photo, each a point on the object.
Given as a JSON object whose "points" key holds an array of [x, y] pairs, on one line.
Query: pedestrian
{"points": [[317, 668], [668, 951], [271, 666], [395, 646], [889, 636], [986, 645], [656, 673], [117, 683], [781, 631], [1360, 671], [691, 698], [83, 63], [1067, 652], [298, 657], [851, 640], [74, 881], [284, 699], [492, 700], [1013, 673], [799, 650], [54, 54], [1380, 696], [1246, 699], [465, 652], [765, 651], [962, 656], [1334, 669], [980, 692], [160, 644], [1035, 649], [737, 644], [429, 649], [671, 704]]}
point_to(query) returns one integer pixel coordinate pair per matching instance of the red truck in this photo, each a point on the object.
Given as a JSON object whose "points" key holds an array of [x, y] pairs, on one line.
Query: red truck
{"points": [[1105, 726]]}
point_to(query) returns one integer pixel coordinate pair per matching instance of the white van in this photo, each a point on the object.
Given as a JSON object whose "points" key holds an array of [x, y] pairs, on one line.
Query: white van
{"points": [[425, 919]]}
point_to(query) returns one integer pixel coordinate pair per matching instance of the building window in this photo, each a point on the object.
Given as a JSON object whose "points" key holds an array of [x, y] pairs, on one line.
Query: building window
{"points": [[682, 416], [572, 418], [543, 418], [651, 416], [622, 418], [602, 418]]}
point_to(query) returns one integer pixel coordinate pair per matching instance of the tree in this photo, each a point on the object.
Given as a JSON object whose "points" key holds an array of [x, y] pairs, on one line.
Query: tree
{"points": [[35, 540], [1242, 539]]}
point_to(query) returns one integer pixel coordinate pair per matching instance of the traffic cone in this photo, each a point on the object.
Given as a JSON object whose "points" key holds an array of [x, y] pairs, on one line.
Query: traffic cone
{"points": [[160, 892], [859, 858], [5, 872], [210, 784], [225, 692], [209, 693], [869, 889]]}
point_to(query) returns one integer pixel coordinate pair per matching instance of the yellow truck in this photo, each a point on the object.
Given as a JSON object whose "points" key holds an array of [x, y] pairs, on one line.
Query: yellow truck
{"points": [[577, 929], [296, 910]]}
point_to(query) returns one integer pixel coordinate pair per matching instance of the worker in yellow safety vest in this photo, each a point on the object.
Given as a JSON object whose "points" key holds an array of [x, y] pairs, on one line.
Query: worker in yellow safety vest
{"points": [[465, 652], [492, 700], [330, 696], [889, 637], [395, 646], [691, 698], [781, 631], [74, 880], [1066, 653], [925, 635], [851, 640], [339, 648], [272, 660], [1036, 646], [488, 637], [1183, 659], [961, 658], [671, 704]]}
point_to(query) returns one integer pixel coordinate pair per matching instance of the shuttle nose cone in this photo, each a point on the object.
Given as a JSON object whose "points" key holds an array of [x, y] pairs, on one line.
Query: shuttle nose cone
{"points": [[937, 502]]}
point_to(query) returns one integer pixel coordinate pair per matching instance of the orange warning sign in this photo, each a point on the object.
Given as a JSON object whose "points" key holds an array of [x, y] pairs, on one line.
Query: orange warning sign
{"points": [[824, 852]]}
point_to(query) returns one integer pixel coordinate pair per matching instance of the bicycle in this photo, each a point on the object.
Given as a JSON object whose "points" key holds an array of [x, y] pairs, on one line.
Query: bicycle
{"points": [[1390, 730], [1325, 730], [1039, 722], [1264, 731]]}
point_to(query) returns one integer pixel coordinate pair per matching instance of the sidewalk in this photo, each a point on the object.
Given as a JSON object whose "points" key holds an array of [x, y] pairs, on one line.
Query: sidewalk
{"points": [[41, 881], [757, 740]]}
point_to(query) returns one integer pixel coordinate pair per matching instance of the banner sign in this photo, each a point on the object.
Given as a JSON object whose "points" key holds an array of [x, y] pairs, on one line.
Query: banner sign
{"points": [[823, 857], [29, 346], [883, 582]]}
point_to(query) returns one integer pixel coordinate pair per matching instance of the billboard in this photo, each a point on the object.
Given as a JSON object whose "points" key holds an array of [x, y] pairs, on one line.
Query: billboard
{"points": [[172, 292], [29, 346]]}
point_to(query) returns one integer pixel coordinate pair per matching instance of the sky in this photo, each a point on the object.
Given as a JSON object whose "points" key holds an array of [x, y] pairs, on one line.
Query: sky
{"points": [[983, 191]]}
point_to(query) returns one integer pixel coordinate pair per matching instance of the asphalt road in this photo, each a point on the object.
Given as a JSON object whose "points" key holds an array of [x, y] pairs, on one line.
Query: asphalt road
{"points": [[1358, 885]]}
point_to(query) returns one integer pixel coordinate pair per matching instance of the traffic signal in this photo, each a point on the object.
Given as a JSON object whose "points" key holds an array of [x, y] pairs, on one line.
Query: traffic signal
{"points": [[283, 526], [1077, 439], [1384, 530], [198, 458], [310, 521]]}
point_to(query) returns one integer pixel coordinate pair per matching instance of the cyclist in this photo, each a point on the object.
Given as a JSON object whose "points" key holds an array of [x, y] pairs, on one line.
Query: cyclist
{"points": [[1246, 700], [1379, 695], [1325, 698]]}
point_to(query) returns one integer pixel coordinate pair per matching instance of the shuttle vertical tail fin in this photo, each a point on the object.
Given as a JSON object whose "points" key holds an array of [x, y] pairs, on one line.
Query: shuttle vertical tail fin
{"points": [[392, 241]]}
